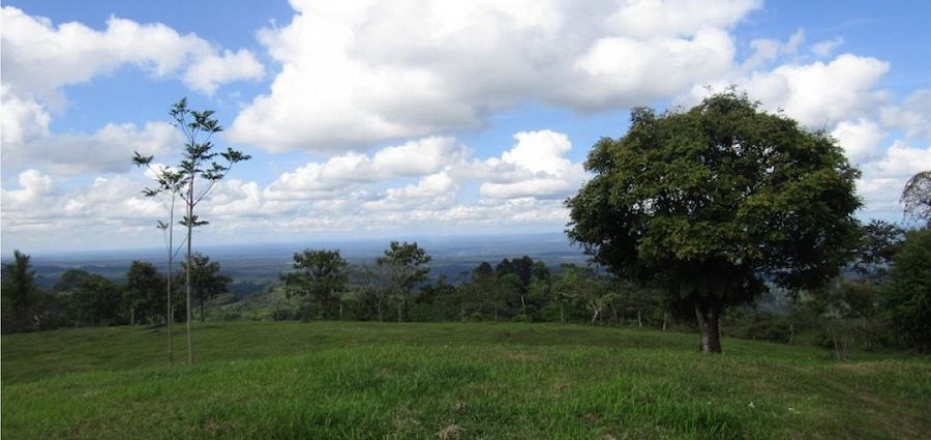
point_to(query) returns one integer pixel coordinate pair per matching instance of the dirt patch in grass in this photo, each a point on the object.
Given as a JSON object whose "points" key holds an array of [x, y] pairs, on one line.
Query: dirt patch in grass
{"points": [[451, 432]]}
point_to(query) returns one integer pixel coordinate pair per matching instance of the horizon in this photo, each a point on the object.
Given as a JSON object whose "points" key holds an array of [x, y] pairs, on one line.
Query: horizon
{"points": [[351, 248]]}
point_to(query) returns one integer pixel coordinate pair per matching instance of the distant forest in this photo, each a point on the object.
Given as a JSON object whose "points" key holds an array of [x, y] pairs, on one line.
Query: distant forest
{"points": [[321, 285]]}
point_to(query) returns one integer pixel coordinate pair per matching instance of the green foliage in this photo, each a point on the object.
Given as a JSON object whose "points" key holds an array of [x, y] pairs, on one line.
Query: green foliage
{"points": [[712, 199], [144, 293], [198, 162], [908, 302], [206, 280], [20, 294], [448, 381], [405, 266], [319, 277], [879, 242], [96, 300]]}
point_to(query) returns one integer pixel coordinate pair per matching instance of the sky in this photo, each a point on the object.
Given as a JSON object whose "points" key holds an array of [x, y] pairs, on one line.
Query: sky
{"points": [[415, 118]]}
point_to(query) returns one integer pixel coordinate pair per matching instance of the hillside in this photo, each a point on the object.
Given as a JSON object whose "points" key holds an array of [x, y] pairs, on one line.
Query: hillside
{"points": [[332, 380]]}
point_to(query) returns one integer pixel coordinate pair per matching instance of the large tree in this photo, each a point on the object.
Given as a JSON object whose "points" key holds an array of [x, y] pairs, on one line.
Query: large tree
{"points": [[715, 202], [191, 182], [319, 275]]}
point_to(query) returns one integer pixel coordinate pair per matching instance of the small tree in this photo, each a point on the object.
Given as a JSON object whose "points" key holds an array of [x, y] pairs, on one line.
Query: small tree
{"points": [[406, 264], [206, 281], [144, 287], [319, 275], [198, 164], [712, 200], [97, 300], [20, 294]]}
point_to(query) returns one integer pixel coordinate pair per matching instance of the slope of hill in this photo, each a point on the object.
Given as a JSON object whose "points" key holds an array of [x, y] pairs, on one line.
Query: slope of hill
{"points": [[287, 380]]}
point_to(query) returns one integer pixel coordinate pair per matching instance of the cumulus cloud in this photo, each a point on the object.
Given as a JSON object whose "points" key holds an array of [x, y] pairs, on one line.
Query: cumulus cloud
{"points": [[884, 178], [40, 58], [538, 168], [344, 174], [361, 72], [106, 150], [822, 94], [913, 115], [859, 138], [21, 120], [209, 73], [53, 210]]}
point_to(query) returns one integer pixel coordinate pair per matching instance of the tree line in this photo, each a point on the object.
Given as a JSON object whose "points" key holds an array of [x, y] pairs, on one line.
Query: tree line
{"points": [[693, 216], [81, 298], [878, 301]]}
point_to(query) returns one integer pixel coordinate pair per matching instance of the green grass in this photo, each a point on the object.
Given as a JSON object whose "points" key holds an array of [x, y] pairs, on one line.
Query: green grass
{"points": [[448, 381]]}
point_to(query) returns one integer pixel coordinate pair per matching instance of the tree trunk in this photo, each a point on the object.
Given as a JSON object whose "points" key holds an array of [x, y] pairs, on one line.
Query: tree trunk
{"points": [[190, 266], [708, 314], [639, 318], [665, 319], [202, 310]]}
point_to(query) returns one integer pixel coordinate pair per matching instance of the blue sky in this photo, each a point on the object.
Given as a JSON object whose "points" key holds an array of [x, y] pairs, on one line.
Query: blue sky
{"points": [[410, 118]]}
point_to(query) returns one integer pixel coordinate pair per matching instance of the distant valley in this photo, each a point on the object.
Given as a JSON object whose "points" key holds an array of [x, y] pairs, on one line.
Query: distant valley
{"points": [[254, 265]]}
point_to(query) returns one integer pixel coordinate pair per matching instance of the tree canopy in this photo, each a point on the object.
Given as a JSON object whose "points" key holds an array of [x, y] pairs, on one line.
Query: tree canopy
{"points": [[909, 295], [716, 200], [916, 197], [318, 276]]}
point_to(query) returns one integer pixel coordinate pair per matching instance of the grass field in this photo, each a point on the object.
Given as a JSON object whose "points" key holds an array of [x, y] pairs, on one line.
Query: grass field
{"points": [[448, 381]]}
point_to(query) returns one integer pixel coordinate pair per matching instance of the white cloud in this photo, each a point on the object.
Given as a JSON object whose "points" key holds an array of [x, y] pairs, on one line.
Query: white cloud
{"points": [[21, 120], [417, 158], [901, 161], [859, 138], [537, 167], [207, 74], [883, 179], [826, 48], [358, 73], [57, 211], [34, 187], [818, 94], [913, 115], [343, 174], [647, 18], [433, 192], [40, 58], [766, 50], [109, 149]]}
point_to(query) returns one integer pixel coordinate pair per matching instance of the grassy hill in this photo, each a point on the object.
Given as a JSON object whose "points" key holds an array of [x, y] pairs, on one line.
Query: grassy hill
{"points": [[448, 381]]}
